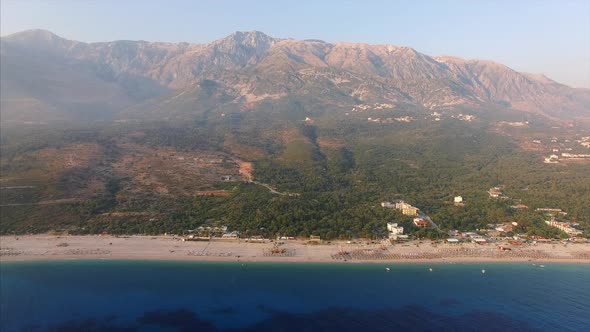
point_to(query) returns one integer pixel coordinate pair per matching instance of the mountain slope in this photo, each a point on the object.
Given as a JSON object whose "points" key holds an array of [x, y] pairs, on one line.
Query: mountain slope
{"points": [[47, 77]]}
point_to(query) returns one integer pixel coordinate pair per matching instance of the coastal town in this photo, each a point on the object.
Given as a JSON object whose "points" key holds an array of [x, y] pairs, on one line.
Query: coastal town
{"points": [[215, 241]]}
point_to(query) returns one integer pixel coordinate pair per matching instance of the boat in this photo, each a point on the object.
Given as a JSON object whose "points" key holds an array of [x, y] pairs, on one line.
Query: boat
{"points": [[541, 265], [387, 269], [430, 269], [483, 271]]}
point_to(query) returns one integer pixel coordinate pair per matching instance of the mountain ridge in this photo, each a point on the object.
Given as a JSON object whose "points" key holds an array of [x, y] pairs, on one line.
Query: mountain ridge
{"points": [[250, 67]]}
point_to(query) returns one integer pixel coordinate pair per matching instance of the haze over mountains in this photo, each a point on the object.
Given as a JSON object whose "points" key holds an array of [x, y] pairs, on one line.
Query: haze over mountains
{"points": [[45, 77]]}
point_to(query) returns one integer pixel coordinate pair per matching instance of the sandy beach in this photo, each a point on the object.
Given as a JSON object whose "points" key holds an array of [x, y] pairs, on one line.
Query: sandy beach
{"points": [[51, 247]]}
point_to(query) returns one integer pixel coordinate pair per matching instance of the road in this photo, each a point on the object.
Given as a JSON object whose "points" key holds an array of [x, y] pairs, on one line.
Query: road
{"points": [[271, 189], [56, 201], [427, 218]]}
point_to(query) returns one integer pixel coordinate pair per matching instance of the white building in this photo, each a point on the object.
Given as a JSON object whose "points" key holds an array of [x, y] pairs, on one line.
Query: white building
{"points": [[552, 159], [388, 205], [395, 232], [564, 226], [393, 228]]}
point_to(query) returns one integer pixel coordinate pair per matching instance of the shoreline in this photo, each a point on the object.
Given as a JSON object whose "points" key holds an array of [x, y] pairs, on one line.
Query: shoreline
{"points": [[30, 248], [284, 261]]}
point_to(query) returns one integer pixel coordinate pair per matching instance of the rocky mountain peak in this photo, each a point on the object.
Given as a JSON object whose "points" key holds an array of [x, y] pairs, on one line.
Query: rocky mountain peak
{"points": [[254, 40]]}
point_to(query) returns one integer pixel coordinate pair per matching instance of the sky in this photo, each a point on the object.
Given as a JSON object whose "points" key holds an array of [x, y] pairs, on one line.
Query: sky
{"points": [[549, 37]]}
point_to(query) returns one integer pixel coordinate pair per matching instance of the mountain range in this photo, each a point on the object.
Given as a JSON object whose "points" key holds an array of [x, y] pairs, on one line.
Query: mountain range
{"points": [[45, 77]]}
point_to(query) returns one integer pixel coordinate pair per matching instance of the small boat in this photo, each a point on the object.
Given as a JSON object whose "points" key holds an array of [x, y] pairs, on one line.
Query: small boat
{"points": [[387, 269], [541, 265], [483, 271], [430, 269]]}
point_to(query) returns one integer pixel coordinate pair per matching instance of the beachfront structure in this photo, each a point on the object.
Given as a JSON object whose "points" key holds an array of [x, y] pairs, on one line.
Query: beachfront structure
{"points": [[421, 222], [231, 236], [564, 226], [452, 241], [392, 227], [394, 230], [315, 239]]}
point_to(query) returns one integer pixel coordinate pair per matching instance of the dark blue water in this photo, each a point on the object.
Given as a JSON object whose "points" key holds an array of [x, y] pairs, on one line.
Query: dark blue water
{"points": [[199, 296]]}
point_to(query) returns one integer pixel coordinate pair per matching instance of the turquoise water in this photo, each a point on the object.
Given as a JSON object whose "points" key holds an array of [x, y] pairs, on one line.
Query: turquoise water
{"points": [[207, 296]]}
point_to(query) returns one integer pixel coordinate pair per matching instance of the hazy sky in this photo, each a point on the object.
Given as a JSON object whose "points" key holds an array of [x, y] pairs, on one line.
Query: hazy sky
{"points": [[550, 37]]}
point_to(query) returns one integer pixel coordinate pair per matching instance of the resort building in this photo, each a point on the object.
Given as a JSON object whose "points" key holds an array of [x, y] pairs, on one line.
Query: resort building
{"points": [[394, 230], [479, 240], [315, 239], [231, 236], [404, 207], [421, 222], [564, 226]]}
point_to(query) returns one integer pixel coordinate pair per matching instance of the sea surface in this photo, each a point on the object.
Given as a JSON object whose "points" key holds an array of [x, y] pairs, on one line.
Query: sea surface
{"points": [[214, 296]]}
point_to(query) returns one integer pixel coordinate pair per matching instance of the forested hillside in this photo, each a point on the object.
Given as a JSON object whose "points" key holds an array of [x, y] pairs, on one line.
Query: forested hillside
{"points": [[329, 177]]}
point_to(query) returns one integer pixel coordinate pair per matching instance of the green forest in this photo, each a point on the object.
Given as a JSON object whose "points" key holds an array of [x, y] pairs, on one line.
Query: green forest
{"points": [[335, 188]]}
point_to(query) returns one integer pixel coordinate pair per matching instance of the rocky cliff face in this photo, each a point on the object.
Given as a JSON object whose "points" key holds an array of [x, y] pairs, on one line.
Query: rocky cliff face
{"points": [[250, 67]]}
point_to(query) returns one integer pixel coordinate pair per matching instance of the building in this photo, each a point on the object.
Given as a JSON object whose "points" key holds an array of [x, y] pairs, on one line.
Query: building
{"points": [[406, 208], [421, 222], [495, 192], [552, 159], [315, 239], [564, 226], [394, 230], [392, 227], [548, 210], [458, 199], [388, 205], [230, 236], [452, 241]]}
